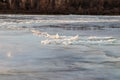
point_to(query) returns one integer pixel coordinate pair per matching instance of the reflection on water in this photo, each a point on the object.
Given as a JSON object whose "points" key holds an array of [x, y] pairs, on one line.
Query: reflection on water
{"points": [[81, 48], [9, 54]]}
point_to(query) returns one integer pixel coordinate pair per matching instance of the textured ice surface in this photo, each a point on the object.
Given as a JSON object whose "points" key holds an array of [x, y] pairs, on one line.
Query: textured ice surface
{"points": [[49, 47]]}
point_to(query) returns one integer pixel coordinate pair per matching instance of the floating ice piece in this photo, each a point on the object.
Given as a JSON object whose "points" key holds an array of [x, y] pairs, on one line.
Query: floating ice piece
{"points": [[97, 38], [92, 37], [57, 36], [74, 38], [53, 36], [45, 42], [111, 40], [36, 32], [67, 43]]}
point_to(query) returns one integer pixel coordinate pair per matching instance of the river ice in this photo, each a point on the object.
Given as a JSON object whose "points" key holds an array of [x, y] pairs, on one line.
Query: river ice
{"points": [[59, 47]]}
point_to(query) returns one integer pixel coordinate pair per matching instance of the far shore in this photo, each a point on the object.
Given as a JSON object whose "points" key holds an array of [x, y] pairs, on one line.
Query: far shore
{"points": [[47, 13]]}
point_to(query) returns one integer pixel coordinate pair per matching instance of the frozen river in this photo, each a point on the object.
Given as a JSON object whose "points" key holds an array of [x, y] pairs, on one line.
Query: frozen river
{"points": [[59, 47]]}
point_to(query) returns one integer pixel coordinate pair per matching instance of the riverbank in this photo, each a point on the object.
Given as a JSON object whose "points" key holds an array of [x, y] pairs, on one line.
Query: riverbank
{"points": [[50, 13], [81, 7]]}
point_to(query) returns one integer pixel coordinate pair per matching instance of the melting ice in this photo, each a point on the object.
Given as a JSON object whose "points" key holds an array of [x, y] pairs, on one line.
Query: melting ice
{"points": [[59, 47]]}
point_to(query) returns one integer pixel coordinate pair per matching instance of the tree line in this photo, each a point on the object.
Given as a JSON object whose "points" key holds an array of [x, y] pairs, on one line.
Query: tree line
{"points": [[98, 7]]}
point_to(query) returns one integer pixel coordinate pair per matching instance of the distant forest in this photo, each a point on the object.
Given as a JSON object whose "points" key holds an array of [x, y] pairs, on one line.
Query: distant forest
{"points": [[87, 7]]}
